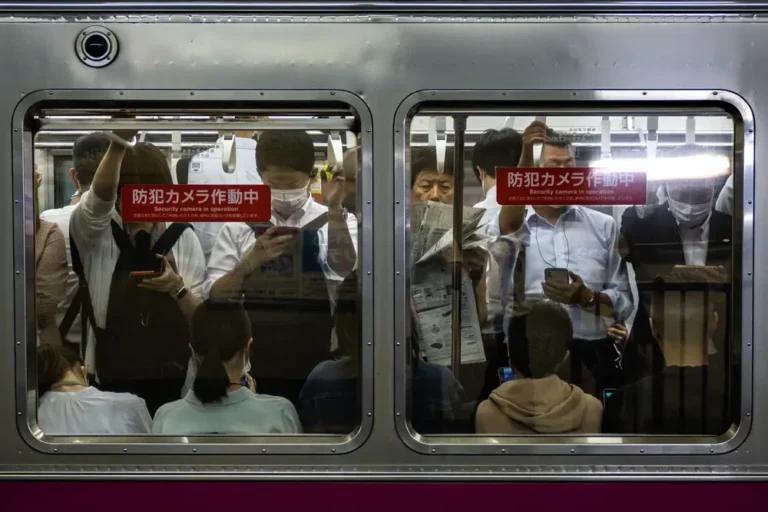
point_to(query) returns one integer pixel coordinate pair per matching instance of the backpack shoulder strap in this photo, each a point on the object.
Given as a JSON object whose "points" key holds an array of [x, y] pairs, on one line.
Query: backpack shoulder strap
{"points": [[81, 301], [317, 223], [121, 238], [169, 237]]}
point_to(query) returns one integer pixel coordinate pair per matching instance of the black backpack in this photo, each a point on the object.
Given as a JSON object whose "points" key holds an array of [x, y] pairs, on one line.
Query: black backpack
{"points": [[144, 348]]}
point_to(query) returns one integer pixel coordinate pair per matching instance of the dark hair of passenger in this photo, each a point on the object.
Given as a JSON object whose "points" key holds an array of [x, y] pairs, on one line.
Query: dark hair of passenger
{"points": [[558, 140], [424, 159], [145, 165], [496, 148], [292, 149], [182, 170], [53, 363], [539, 340], [87, 153], [220, 331]]}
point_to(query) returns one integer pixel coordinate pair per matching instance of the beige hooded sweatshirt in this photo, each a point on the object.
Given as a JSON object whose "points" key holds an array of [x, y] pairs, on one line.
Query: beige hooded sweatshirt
{"points": [[539, 406]]}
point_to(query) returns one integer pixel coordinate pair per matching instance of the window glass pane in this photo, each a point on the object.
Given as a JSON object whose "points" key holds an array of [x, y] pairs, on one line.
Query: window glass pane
{"points": [[595, 271], [220, 261]]}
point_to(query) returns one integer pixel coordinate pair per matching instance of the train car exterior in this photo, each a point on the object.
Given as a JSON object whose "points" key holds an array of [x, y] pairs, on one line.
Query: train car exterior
{"points": [[373, 70]]}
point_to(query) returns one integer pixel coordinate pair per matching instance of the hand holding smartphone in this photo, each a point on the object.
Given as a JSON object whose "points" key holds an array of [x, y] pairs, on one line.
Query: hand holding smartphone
{"points": [[506, 374], [557, 276]]}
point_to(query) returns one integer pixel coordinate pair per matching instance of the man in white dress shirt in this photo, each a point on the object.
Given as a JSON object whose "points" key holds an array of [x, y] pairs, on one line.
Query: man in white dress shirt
{"points": [[495, 148], [206, 168], [585, 242], [245, 257], [86, 155]]}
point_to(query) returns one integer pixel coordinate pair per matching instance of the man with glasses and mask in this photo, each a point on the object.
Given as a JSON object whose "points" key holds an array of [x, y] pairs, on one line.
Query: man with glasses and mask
{"points": [[685, 230]]}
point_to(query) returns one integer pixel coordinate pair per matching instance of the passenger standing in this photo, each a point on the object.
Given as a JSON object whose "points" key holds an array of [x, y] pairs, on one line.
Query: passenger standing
{"points": [[585, 243], [683, 231], [139, 341], [224, 398], [288, 293], [86, 155], [50, 274], [537, 401]]}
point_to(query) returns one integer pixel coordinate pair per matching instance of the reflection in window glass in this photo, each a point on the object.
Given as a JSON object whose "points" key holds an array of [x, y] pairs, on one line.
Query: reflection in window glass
{"points": [[177, 324], [596, 298]]}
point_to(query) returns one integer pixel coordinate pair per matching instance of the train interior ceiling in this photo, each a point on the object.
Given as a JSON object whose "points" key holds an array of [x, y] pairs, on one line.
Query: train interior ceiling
{"points": [[627, 138]]}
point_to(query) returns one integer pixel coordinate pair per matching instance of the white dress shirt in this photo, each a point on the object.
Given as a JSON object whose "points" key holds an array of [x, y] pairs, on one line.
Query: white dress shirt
{"points": [[499, 275], [236, 239], [695, 243], [240, 412], [724, 202], [585, 242], [92, 412], [206, 169], [61, 216], [90, 227]]}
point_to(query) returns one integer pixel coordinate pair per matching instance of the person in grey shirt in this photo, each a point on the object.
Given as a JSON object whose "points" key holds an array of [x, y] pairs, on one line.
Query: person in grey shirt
{"points": [[223, 399]]}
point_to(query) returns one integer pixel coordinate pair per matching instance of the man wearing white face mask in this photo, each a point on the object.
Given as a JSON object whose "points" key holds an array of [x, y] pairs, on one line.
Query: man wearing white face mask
{"points": [[258, 263], [683, 231]]}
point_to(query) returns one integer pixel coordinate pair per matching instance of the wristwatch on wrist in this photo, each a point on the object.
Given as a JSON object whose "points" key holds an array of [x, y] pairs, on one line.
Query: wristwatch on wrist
{"points": [[181, 293], [592, 300], [343, 214]]}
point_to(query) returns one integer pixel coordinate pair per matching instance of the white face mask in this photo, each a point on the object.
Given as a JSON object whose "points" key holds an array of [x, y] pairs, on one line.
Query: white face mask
{"points": [[246, 363], [688, 215], [288, 202]]}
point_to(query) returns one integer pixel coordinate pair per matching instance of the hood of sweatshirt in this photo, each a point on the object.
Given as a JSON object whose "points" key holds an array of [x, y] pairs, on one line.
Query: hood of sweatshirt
{"points": [[548, 406]]}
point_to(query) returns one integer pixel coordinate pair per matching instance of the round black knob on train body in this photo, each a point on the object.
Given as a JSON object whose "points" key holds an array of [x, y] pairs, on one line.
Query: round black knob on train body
{"points": [[96, 46]]}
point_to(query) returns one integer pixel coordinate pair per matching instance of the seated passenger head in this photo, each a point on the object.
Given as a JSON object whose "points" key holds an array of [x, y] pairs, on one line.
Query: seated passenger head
{"points": [[427, 182], [87, 153], [690, 194], [346, 318], [144, 165], [685, 324], [558, 151], [221, 339], [58, 364], [539, 340], [495, 148], [285, 160]]}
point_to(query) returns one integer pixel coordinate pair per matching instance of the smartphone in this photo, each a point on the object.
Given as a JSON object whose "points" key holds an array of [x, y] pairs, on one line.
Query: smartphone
{"points": [[558, 276], [244, 381], [607, 394], [287, 230], [506, 374], [139, 276]]}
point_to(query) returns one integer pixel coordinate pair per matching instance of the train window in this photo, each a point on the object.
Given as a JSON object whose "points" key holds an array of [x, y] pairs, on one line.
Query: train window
{"points": [[591, 292], [201, 283]]}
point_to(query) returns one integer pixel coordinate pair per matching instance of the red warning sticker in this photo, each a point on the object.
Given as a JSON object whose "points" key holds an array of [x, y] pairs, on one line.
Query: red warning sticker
{"points": [[570, 186], [195, 203]]}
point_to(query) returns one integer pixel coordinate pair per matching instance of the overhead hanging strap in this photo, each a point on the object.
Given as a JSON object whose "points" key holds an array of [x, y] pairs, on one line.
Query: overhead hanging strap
{"points": [[509, 122], [605, 138], [438, 139], [335, 149], [175, 143], [652, 140], [690, 130]]}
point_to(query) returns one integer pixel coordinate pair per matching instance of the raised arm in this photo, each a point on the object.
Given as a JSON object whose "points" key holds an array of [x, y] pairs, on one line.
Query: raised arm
{"points": [[511, 217]]}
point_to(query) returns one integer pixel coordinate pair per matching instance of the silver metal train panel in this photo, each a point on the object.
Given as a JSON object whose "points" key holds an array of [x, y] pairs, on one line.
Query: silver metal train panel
{"points": [[382, 62]]}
